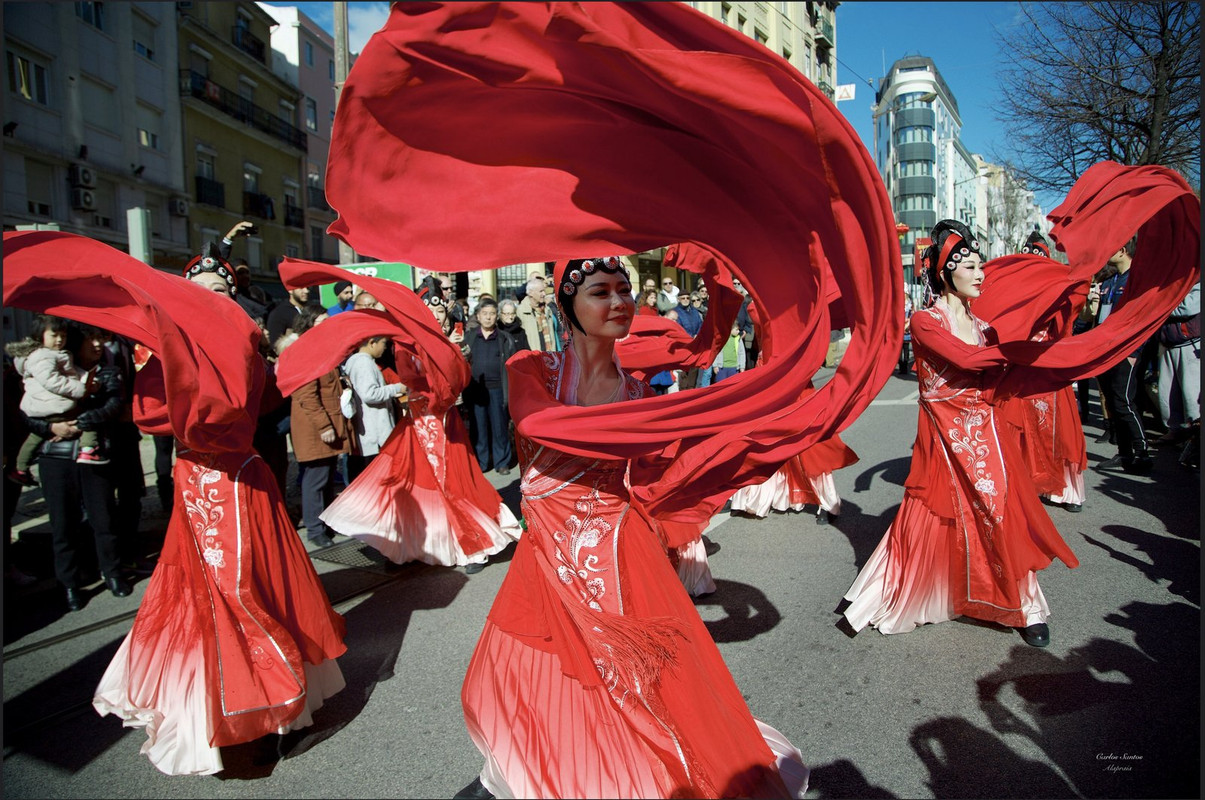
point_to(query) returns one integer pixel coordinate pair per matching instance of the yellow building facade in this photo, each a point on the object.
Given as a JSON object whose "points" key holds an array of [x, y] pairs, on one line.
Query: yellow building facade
{"points": [[244, 154]]}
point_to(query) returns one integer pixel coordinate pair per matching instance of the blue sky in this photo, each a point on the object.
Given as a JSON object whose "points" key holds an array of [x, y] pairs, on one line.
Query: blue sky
{"points": [[870, 36]]}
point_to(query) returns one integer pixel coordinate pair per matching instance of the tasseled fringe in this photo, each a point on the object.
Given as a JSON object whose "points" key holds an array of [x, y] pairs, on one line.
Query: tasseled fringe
{"points": [[637, 649]]}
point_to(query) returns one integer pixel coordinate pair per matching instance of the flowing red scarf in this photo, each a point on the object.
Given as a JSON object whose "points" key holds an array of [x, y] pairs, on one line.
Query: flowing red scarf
{"points": [[474, 135], [205, 386]]}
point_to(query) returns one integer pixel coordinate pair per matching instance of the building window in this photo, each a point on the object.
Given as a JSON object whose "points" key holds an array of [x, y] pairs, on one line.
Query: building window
{"points": [[311, 113], [760, 37], [309, 54], [144, 37], [331, 64], [316, 242], [205, 165], [255, 253], [148, 127], [291, 251], [100, 106], [786, 53], [91, 13], [740, 22], [251, 175], [288, 112], [39, 183], [27, 78], [725, 13]]}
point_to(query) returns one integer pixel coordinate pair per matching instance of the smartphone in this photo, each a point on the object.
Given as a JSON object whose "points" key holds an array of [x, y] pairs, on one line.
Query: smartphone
{"points": [[458, 329], [250, 231]]}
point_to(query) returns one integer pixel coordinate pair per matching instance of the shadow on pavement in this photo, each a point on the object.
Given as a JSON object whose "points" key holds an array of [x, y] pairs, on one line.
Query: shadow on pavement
{"points": [[749, 612], [376, 629], [842, 779], [83, 734], [1117, 720], [893, 472], [966, 761], [864, 532], [1172, 497], [1173, 560]]}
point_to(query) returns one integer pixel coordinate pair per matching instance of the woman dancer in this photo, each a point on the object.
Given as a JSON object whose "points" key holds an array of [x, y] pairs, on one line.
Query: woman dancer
{"points": [[423, 498], [235, 637], [592, 647], [971, 532], [1053, 434], [807, 479]]}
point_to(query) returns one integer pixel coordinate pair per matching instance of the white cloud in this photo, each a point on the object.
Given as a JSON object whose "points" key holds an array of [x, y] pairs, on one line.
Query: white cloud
{"points": [[363, 20]]}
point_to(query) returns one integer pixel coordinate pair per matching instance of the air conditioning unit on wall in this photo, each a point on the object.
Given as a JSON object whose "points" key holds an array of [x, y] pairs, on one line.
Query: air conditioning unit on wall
{"points": [[81, 176], [83, 200], [178, 207]]}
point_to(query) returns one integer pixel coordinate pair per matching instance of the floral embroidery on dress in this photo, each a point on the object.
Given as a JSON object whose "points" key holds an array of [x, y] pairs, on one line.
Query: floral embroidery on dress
{"points": [[427, 428], [1043, 409], [261, 658], [582, 534], [205, 513]]}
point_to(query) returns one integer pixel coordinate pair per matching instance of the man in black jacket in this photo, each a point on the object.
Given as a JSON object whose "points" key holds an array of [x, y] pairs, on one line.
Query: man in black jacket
{"points": [[487, 393]]}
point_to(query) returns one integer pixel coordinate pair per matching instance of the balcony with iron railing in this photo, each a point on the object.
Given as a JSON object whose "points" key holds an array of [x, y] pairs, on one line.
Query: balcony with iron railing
{"points": [[210, 192], [259, 205], [294, 216], [194, 84], [825, 87], [825, 36], [248, 42], [317, 198]]}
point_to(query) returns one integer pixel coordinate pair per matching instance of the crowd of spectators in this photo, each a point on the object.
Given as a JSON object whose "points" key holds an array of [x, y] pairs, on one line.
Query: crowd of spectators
{"points": [[74, 417]]}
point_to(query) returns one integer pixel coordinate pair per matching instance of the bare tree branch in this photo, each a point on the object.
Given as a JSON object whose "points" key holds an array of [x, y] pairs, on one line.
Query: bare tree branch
{"points": [[1093, 81]]}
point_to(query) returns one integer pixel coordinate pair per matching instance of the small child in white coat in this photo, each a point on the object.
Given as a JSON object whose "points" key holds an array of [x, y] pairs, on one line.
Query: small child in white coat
{"points": [[53, 389]]}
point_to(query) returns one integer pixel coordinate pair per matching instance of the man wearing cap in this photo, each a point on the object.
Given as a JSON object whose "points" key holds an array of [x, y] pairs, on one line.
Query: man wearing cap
{"points": [[345, 296]]}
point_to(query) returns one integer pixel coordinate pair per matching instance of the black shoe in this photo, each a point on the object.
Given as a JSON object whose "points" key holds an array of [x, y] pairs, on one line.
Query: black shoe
{"points": [[1037, 635], [76, 599], [502, 471], [823, 517], [321, 542], [1105, 435], [474, 791], [1116, 462], [1138, 465], [473, 569], [118, 586], [1074, 508]]}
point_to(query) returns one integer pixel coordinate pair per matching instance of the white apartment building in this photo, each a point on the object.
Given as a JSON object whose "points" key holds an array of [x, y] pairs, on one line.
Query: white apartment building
{"points": [[928, 172], [92, 122]]}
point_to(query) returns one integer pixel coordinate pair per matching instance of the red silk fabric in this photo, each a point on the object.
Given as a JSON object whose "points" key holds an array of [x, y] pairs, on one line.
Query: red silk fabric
{"points": [[205, 387], [473, 136], [657, 343], [1026, 294], [441, 371]]}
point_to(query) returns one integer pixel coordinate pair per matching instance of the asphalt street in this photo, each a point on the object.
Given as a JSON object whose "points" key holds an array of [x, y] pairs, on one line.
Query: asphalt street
{"points": [[962, 709]]}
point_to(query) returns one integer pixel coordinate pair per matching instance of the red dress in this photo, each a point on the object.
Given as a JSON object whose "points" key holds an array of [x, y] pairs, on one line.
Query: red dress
{"points": [[1052, 439], [971, 531], [807, 479], [595, 676], [424, 496], [235, 637]]}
